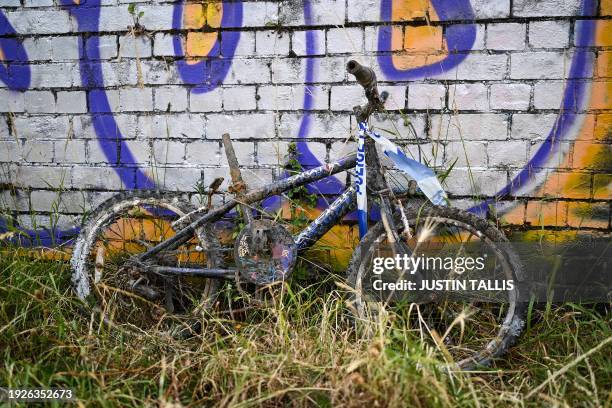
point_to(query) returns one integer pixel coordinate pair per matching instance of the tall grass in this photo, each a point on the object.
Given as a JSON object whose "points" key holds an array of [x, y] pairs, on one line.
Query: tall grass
{"points": [[301, 351]]}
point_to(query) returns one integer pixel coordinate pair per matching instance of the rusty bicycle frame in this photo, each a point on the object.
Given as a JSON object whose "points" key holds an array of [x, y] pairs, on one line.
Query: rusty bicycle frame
{"points": [[335, 212]]}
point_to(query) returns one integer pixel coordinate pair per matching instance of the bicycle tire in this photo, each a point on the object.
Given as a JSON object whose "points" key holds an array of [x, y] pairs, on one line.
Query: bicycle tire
{"points": [[512, 326]]}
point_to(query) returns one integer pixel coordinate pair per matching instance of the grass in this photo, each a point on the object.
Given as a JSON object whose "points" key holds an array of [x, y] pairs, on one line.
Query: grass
{"points": [[301, 352]]}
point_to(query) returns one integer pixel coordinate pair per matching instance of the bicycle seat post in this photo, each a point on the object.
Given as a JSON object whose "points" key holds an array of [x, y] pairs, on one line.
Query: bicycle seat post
{"points": [[238, 186]]}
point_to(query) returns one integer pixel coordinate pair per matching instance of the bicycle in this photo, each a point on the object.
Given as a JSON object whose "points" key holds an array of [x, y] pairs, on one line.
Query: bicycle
{"points": [[144, 257]]}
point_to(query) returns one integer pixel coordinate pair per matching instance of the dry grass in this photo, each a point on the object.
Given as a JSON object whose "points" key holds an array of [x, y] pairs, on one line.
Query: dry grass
{"points": [[303, 351]]}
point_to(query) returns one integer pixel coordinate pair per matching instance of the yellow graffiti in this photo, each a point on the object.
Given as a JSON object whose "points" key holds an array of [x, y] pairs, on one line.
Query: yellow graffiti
{"points": [[587, 154], [198, 16], [2, 57], [420, 45]]}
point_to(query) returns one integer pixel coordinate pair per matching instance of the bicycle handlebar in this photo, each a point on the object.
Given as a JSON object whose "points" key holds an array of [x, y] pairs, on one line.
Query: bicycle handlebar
{"points": [[364, 75], [367, 78]]}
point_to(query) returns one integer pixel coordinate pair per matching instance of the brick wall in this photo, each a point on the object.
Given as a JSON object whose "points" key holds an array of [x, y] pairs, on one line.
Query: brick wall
{"points": [[93, 101]]}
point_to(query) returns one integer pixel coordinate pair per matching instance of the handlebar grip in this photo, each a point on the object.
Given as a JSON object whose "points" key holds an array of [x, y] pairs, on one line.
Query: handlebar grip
{"points": [[364, 75]]}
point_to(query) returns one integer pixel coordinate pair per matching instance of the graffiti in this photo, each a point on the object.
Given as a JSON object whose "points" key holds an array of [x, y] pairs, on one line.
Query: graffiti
{"points": [[198, 67], [205, 37], [14, 71]]}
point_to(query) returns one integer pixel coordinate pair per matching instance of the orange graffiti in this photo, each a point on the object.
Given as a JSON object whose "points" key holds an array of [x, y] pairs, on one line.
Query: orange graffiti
{"points": [[588, 161], [417, 45], [198, 44]]}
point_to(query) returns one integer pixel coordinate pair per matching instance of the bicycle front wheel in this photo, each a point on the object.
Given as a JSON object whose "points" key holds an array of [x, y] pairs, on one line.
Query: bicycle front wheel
{"points": [[456, 286]]}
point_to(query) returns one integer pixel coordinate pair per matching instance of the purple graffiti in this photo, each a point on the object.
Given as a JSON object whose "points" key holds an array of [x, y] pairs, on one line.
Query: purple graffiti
{"points": [[106, 127], [210, 72], [14, 71], [458, 38]]}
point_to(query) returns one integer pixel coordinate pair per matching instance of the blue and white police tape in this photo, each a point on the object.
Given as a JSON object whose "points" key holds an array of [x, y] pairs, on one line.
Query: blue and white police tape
{"points": [[424, 176]]}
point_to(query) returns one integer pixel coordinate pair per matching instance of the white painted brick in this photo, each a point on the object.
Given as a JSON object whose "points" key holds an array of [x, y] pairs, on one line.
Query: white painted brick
{"points": [[95, 151], [548, 95], [114, 19], [168, 152], [64, 48], [240, 126], [41, 127], [206, 102], [289, 70], [545, 8], [131, 46], [239, 98], [480, 67], [163, 45], [339, 150], [330, 69], [135, 152], [397, 96], [255, 178], [246, 44], [40, 21], [71, 102], [344, 40], [10, 3], [281, 97], [272, 153], [39, 102], [107, 46], [397, 127], [485, 126], [260, 13], [468, 97], [537, 65], [532, 126], [463, 181], [179, 178], [322, 125], [38, 3], [344, 98], [426, 96], [95, 178], [173, 98], [272, 43], [112, 96], [510, 96], [506, 36], [245, 153], [176, 125], [158, 72], [9, 151], [248, 71], [298, 43], [484, 9], [69, 151], [549, 34], [58, 75], [37, 151], [42, 177], [507, 153], [136, 99], [156, 17], [204, 153], [466, 153], [363, 10], [38, 48], [11, 101], [323, 12]]}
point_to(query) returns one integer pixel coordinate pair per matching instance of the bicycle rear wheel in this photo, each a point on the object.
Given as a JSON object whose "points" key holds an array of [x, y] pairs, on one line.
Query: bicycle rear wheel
{"points": [[468, 327], [105, 275]]}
